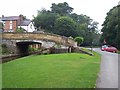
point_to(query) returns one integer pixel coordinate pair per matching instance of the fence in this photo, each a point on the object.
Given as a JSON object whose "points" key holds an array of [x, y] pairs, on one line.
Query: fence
{"points": [[58, 50]]}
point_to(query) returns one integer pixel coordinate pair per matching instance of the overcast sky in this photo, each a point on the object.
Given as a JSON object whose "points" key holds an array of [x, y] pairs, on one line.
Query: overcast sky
{"points": [[95, 9]]}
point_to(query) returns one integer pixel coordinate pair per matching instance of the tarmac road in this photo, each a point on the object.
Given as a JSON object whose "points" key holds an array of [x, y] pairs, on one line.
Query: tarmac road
{"points": [[108, 76]]}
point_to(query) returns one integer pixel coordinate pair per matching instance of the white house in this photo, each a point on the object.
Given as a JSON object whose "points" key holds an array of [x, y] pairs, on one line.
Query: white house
{"points": [[27, 25]]}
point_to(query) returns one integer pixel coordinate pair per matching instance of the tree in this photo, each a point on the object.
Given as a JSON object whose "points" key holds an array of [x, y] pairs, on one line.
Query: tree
{"points": [[24, 17], [61, 8], [20, 30], [79, 40], [86, 28], [45, 20], [61, 20], [111, 27], [81, 19], [65, 26], [93, 27], [1, 25]]}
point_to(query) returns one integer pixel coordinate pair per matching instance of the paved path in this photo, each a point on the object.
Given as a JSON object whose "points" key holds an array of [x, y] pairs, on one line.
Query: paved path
{"points": [[108, 77]]}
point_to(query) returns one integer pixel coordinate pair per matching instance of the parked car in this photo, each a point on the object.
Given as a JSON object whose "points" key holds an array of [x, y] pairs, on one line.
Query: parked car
{"points": [[104, 47], [109, 48]]}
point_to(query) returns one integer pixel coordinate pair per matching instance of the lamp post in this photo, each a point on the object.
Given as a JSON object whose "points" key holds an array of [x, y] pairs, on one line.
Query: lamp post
{"points": [[92, 47]]}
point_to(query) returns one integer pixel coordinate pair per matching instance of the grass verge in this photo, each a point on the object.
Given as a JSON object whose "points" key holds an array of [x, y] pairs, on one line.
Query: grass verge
{"points": [[0, 76], [71, 70]]}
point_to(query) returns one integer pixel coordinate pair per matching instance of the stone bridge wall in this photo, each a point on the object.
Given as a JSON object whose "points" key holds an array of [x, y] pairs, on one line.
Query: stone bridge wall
{"points": [[10, 39], [11, 46], [39, 36]]}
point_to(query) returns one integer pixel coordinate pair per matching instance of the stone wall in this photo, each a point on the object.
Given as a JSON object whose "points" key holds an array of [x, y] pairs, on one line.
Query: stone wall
{"points": [[11, 39], [39, 36], [11, 46]]}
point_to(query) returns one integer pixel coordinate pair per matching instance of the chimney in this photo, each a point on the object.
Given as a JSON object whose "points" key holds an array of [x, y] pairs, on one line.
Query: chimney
{"points": [[21, 17], [2, 16]]}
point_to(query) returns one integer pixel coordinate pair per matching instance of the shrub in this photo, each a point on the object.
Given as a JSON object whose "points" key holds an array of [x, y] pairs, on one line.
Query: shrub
{"points": [[4, 49], [79, 40], [20, 30]]}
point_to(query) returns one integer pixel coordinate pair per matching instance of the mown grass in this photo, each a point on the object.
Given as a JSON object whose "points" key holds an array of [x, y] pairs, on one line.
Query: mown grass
{"points": [[71, 70], [0, 75]]}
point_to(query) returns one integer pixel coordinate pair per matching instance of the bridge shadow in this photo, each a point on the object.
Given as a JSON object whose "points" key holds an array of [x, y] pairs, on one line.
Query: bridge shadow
{"points": [[23, 47]]}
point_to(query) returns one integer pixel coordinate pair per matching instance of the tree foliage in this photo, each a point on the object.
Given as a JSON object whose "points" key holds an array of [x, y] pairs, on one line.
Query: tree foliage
{"points": [[61, 8], [65, 26], [61, 20], [20, 30], [111, 29], [45, 20], [1, 25], [79, 40]]}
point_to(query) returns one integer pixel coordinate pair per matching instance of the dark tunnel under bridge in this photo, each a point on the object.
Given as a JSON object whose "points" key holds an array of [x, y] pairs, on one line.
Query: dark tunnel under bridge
{"points": [[23, 47]]}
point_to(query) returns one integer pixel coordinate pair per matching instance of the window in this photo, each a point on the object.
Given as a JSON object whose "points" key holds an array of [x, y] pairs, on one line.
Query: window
{"points": [[10, 24], [3, 23]]}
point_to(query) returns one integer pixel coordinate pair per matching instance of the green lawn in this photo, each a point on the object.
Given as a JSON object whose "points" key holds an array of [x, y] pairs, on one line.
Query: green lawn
{"points": [[71, 70], [0, 76]]}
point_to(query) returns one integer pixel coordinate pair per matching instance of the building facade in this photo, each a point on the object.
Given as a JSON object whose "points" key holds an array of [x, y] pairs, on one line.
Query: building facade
{"points": [[11, 23]]}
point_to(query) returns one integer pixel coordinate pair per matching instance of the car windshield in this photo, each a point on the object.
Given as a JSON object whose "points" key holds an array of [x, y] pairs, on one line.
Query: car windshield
{"points": [[104, 46]]}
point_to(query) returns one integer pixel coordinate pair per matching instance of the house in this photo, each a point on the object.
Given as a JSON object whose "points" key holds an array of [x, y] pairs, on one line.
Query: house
{"points": [[27, 25], [1, 25], [11, 23]]}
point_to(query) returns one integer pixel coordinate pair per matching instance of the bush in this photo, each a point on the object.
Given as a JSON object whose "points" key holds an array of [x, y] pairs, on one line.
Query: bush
{"points": [[31, 49], [20, 30], [4, 49], [79, 40]]}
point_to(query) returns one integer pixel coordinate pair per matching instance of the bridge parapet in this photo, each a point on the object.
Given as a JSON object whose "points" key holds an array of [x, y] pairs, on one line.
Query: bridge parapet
{"points": [[39, 36]]}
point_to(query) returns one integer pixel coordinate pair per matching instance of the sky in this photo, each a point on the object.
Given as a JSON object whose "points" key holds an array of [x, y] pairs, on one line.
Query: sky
{"points": [[95, 9]]}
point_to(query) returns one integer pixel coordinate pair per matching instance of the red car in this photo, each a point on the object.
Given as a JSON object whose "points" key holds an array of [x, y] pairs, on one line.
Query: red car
{"points": [[109, 48], [104, 47]]}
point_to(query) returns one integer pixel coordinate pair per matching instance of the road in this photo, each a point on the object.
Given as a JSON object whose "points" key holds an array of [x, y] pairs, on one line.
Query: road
{"points": [[108, 76]]}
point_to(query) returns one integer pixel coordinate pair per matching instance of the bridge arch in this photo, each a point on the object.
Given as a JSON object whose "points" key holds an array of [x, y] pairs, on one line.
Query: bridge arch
{"points": [[23, 46]]}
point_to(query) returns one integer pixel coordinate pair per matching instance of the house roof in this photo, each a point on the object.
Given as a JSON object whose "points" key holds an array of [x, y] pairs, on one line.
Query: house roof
{"points": [[24, 23], [10, 18]]}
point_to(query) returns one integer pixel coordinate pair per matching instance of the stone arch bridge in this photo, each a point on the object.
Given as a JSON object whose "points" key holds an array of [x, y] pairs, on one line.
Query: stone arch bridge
{"points": [[19, 42]]}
